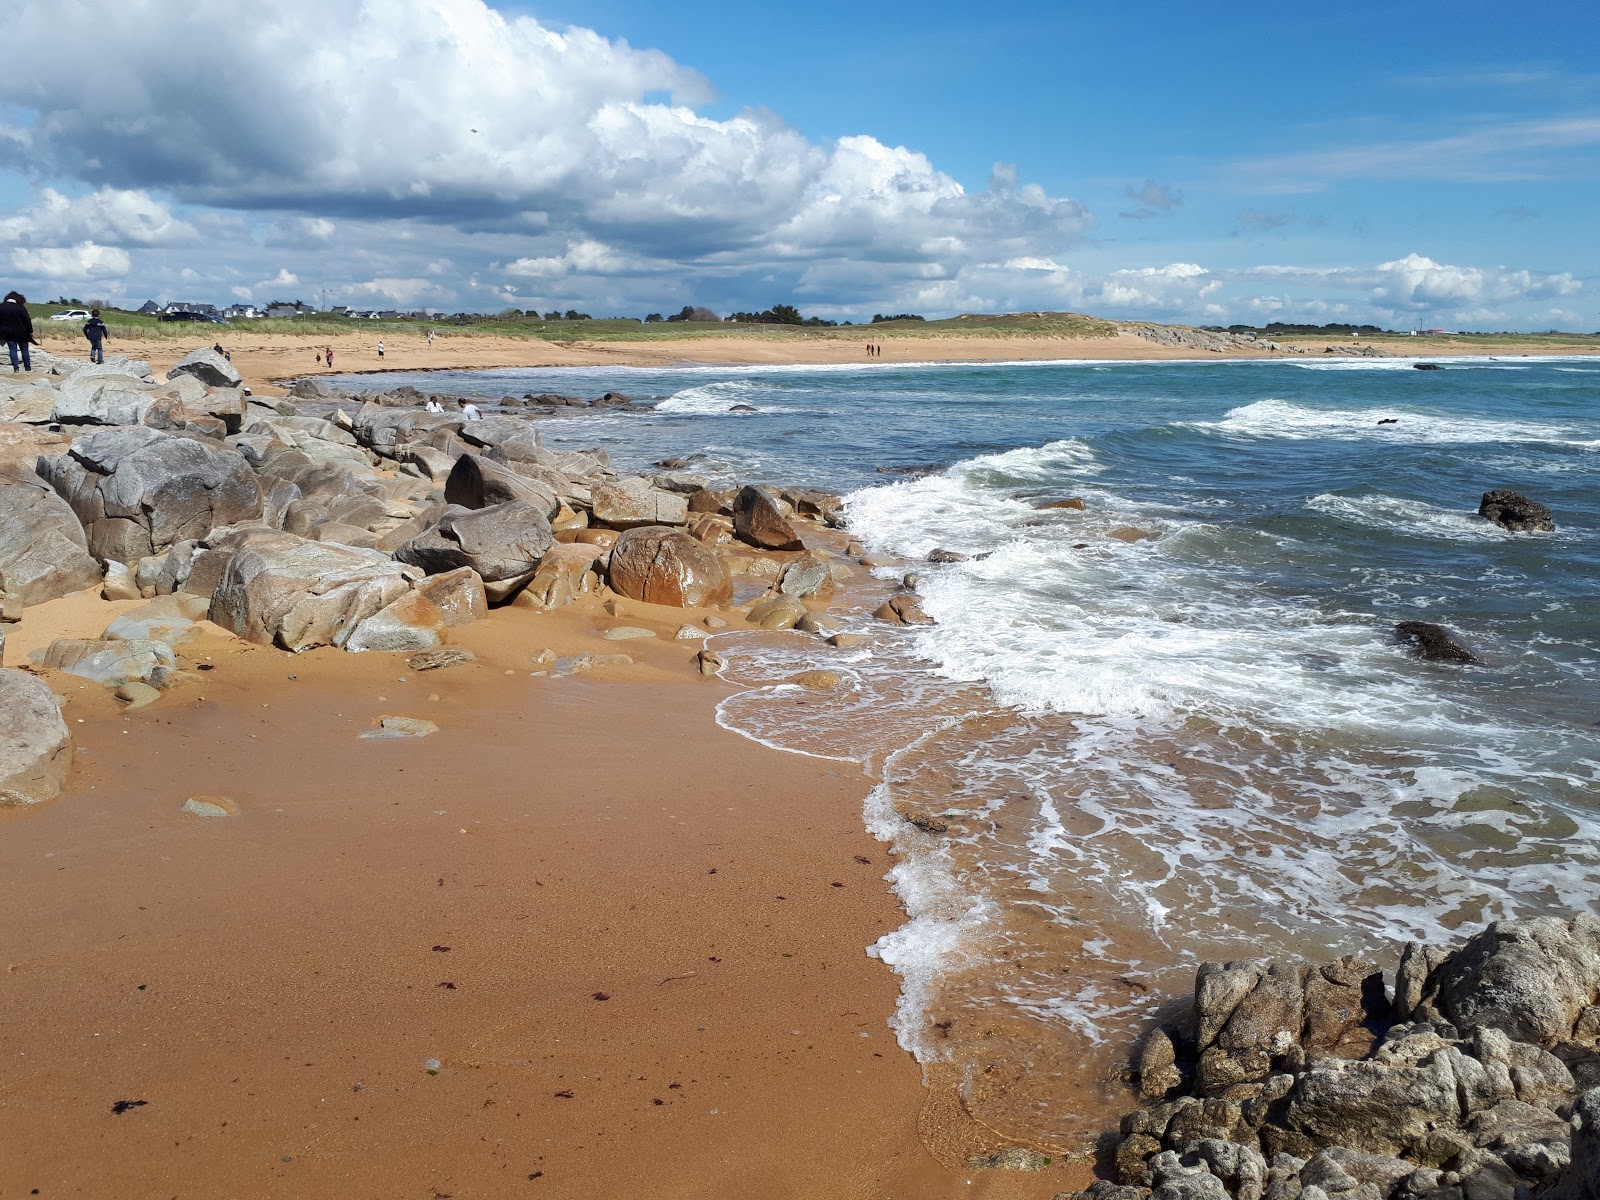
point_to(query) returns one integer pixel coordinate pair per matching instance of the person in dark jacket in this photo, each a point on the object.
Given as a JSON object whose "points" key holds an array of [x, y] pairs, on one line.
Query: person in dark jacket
{"points": [[95, 330], [16, 329]]}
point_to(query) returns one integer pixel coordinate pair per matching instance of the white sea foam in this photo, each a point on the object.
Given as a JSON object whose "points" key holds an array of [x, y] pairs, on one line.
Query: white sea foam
{"points": [[718, 398], [1286, 419], [1403, 514]]}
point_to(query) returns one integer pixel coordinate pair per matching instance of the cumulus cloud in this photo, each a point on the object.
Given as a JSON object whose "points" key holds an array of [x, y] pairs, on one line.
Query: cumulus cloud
{"points": [[1416, 283], [451, 121], [73, 264], [110, 215]]}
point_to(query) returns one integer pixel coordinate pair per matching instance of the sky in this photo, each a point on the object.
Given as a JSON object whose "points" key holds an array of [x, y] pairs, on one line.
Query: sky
{"points": [[1422, 165]]}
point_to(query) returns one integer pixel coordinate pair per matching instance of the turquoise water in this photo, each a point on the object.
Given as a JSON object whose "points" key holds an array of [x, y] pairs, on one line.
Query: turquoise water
{"points": [[1202, 744]]}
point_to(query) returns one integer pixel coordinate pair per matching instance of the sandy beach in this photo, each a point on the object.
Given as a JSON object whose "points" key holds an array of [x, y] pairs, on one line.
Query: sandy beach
{"points": [[265, 360], [582, 942]]}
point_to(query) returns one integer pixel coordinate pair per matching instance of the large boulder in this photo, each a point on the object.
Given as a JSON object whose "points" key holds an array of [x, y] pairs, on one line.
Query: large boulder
{"points": [[209, 367], [635, 502], [660, 565], [277, 589], [410, 622], [1531, 978], [35, 749], [388, 431], [26, 400], [97, 399], [1514, 511], [758, 521], [137, 491], [503, 544], [476, 482], [566, 572], [111, 662], [1432, 642], [43, 551]]}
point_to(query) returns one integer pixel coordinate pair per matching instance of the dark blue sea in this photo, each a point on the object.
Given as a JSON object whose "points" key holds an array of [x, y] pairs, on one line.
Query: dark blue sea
{"points": [[1205, 743]]}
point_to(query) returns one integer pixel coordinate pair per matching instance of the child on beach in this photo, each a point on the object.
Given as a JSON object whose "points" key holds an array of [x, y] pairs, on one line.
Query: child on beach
{"points": [[380, 349], [329, 353], [16, 329], [95, 330], [469, 411]]}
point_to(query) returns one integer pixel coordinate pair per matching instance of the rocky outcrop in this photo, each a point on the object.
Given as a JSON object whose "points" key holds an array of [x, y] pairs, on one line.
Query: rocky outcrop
{"points": [[43, 552], [137, 491], [758, 521], [102, 399], [476, 482], [666, 566], [1184, 338], [35, 749], [1433, 642], [1514, 511], [1302, 1082]]}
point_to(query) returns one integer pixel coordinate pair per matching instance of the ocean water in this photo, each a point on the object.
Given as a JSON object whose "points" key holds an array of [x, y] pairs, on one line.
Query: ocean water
{"points": [[1112, 759]]}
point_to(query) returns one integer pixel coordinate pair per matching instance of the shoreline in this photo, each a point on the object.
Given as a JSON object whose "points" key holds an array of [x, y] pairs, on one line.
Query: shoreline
{"points": [[264, 360]]}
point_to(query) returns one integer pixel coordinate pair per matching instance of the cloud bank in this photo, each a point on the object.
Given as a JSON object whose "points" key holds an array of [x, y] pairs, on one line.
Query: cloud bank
{"points": [[440, 153]]}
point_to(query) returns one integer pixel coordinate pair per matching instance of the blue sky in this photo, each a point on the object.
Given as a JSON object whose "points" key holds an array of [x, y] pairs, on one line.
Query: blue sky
{"points": [[1412, 165]]}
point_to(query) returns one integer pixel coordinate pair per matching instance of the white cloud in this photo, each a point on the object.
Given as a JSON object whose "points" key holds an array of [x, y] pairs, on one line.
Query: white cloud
{"points": [[71, 264], [109, 215], [1419, 284], [283, 279]]}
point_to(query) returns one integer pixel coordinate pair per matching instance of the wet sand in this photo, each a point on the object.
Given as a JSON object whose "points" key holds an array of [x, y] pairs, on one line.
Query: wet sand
{"points": [[632, 940]]}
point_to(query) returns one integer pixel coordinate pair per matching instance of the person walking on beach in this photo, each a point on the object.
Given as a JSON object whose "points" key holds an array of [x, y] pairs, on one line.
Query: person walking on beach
{"points": [[380, 349], [329, 353], [430, 339], [16, 328], [95, 330]]}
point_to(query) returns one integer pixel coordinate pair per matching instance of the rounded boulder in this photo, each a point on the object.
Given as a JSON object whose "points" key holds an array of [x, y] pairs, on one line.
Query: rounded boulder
{"points": [[666, 566]]}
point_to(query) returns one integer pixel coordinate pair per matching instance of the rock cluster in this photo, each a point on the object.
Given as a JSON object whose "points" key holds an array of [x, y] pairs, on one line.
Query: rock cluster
{"points": [[1200, 339], [1514, 511], [1478, 1080]]}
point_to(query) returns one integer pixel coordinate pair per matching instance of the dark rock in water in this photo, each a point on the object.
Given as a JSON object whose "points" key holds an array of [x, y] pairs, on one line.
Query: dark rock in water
{"points": [[915, 469], [613, 400], [742, 408], [1514, 511], [946, 556], [1389, 421], [1433, 642], [1426, 367]]}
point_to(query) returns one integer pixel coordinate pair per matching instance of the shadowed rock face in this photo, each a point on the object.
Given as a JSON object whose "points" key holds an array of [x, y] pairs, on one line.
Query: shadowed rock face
{"points": [[43, 552], [1433, 642], [666, 566], [503, 544], [1514, 511], [137, 491]]}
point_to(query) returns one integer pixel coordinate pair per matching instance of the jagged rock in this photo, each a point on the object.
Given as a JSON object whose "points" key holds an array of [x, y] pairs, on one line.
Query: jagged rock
{"points": [[209, 367], [1581, 1180], [666, 566], [277, 589], [43, 551], [431, 462], [35, 748], [503, 544], [388, 431], [1514, 511], [1157, 1066], [1433, 642], [31, 402], [137, 491], [632, 503], [1531, 979], [758, 521]]}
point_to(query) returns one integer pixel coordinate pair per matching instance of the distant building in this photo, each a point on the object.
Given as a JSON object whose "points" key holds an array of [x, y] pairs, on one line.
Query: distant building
{"points": [[237, 311], [149, 308], [209, 310], [282, 310]]}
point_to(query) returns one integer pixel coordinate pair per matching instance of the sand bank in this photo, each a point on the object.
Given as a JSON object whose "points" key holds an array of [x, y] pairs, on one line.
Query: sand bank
{"points": [[631, 941]]}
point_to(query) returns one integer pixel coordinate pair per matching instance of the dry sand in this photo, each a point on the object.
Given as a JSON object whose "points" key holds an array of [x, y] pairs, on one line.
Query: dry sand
{"points": [[632, 940]]}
